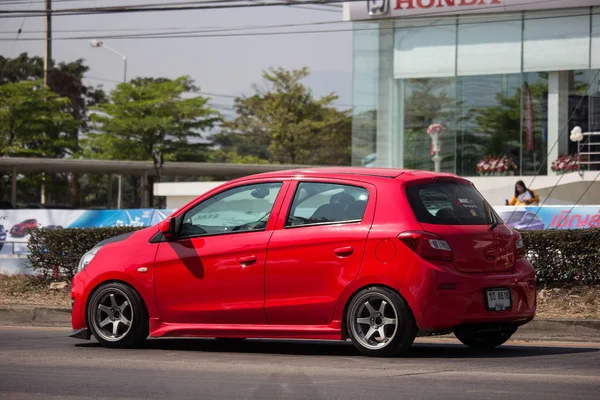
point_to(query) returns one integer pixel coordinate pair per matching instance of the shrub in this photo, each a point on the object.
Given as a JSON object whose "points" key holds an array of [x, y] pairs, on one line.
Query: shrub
{"points": [[56, 252], [559, 256], [564, 256]]}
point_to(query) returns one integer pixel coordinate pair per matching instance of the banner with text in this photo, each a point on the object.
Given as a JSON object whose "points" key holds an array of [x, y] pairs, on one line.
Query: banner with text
{"points": [[16, 224]]}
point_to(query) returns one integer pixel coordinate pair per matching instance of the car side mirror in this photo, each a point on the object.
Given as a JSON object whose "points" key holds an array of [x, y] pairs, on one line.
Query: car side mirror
{"points": [[164, 227], [168, 227]]}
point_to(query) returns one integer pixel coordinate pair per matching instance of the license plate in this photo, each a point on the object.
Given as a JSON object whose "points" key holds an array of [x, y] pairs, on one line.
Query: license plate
{"points": [[498, 299]]}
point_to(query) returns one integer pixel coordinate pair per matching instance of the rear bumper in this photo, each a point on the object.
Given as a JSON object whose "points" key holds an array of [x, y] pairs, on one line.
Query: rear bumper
{"points": [[457, 299]]}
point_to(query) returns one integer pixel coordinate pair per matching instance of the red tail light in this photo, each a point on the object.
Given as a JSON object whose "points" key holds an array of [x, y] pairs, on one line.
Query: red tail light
{"points": [[520, 246], [427, 245]]}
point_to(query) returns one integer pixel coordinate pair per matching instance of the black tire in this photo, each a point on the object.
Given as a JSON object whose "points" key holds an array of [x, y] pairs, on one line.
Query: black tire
{"points": [[483, 340], [401, 336], [102, 309]]}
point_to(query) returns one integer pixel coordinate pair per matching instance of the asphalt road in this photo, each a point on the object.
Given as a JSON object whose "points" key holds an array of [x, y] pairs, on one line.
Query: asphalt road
{"points": [[43, 363]]}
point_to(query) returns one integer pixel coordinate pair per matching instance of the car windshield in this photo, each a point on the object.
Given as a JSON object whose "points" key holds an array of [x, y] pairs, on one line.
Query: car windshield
{"points": [[447, 203]]}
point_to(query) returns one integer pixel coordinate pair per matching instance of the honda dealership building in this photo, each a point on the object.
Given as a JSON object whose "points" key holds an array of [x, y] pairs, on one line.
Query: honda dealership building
{"points": [[504, 78]]}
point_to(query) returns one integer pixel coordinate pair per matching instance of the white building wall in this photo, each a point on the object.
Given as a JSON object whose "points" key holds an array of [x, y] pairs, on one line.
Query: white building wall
{"points": [[553, 190], [180, 193]]}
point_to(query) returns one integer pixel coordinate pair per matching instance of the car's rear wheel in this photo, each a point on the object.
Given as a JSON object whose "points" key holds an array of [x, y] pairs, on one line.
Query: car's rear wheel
{"points": [[117, 316], [380, 322], [483, 339]]}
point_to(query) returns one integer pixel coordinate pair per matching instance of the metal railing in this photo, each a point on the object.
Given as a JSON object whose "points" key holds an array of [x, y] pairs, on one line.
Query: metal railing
{"points": [[588, 151], [17, 248]]}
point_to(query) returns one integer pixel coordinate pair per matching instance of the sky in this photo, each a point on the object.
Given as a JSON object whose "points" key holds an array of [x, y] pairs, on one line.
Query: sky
{"points": [[227, 66]]}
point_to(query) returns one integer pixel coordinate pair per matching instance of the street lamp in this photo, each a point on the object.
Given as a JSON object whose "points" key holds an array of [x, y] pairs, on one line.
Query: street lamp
{"points": [[96, 44]]}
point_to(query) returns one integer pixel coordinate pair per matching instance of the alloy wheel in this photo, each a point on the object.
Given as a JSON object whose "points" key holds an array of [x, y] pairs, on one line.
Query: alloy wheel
{"points": [[113, 315], [374, 321]]}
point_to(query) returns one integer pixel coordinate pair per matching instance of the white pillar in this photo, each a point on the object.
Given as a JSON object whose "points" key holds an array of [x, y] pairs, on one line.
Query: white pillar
{"points": [[13, 188], [119, 192], [558, 116], [109, 194], [386, 142]]}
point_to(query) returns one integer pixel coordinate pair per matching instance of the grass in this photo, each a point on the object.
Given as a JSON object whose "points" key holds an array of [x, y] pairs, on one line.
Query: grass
{"points": [[575, 302], [26, 290]]}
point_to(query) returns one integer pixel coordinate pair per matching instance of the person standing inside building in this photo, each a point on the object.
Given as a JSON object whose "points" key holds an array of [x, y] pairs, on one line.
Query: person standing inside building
{"points": [[524, 196]]}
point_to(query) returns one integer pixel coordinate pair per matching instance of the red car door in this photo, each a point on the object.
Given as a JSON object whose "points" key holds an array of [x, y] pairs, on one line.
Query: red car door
{"points": [[214, 272], [316, 250]]}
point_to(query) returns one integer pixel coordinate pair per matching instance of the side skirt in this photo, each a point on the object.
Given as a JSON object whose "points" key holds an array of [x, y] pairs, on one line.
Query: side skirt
{"points": [[319, 332]]}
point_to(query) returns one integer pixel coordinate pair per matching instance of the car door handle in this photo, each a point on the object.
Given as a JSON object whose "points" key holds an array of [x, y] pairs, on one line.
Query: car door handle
{"points": [[344, 251], [248, 260]]}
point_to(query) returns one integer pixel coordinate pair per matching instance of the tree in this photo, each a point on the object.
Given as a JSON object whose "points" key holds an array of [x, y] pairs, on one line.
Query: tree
{"points": [[499, 127], [364, 137], [148, 115], [65, 79], [33, 121], [428, 102], [285, 123]]}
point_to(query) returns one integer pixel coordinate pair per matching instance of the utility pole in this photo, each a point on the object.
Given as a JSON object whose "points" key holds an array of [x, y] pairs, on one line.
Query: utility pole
{"points": [[48, 54], [47, 67]]}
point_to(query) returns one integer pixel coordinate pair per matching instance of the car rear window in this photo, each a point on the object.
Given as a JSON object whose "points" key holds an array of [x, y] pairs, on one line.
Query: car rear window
{"points": [[445, 203]]}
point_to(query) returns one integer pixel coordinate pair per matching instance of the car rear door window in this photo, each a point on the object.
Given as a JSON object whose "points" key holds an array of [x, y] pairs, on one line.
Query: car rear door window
{"points": [[324, 203], [450, 204]]}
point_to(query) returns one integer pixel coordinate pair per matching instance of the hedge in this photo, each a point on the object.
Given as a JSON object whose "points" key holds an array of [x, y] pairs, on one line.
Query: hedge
{"points": [[559, 256], [564, 256], [56, 252]]}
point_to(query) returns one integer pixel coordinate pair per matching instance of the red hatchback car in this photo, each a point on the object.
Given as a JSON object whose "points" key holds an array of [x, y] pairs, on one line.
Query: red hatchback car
{"points": [[374, 255], [24, 228]]}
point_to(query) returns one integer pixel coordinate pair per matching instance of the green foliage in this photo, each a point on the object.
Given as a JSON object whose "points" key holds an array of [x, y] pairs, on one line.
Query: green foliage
{"points": [[295, 126], [33, 121], [558, 256], [148, 115], [60, 250], [64, 79], [564, 256], [428, 101], [222, 156], [364, 135]]}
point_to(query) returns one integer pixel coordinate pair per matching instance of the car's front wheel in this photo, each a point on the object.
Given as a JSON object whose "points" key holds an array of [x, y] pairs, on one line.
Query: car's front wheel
{"points": [[117, 316], [380, 322], [483, 339]]}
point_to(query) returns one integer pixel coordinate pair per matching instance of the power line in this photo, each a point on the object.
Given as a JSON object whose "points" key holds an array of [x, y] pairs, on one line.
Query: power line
{"points": [[186, 6], [464, 20], [213, 5], [202, 33], [562, 132], [14, 45], [584, 192], [11, 2], [192, 30]]}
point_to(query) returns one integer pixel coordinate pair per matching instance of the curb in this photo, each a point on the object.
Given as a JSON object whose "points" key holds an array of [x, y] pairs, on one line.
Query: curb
{"points": [[560, 329], [538, 329], [39, 316]]}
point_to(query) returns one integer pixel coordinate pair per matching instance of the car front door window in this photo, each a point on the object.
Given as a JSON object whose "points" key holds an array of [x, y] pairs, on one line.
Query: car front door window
{"points": [[241, 209]]}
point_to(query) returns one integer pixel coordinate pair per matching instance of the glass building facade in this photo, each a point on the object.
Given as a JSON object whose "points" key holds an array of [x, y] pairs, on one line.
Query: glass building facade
{"points": [[511, 84]]}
